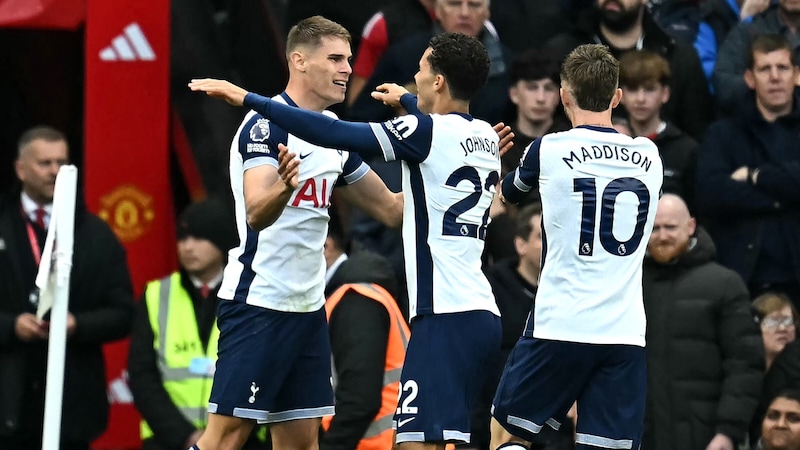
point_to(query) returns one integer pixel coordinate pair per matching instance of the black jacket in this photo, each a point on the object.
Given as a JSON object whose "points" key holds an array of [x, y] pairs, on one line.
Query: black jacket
{"points": [[705, 356], [101, 300], [690, 105], [756, 228], [359, 332]]}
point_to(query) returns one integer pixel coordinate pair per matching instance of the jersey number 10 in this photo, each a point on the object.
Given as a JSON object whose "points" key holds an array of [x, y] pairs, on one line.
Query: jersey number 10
{"points": [[608, 202]]}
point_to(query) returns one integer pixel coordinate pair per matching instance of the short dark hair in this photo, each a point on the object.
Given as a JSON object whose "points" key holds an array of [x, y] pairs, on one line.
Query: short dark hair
{"points": [[43, 132], [768, 43], [592, 73], [310, 31], [789, 394], [523, 228], [535, 64], [462, 60], [642, 68]]}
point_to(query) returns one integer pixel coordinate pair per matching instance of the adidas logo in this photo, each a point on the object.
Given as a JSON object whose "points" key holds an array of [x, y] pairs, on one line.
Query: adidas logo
{"points": [[131, 45]]}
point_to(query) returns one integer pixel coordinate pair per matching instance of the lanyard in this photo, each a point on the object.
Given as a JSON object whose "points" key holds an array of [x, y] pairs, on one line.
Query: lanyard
{"points": [[37, 253]]}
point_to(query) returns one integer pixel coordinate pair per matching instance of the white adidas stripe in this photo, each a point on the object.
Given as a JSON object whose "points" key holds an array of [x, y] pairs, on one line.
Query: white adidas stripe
{"points": [[132, 45]]}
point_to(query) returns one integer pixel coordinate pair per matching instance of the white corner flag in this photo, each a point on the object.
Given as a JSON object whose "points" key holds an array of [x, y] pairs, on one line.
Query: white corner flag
{"points": [[53, 283]]}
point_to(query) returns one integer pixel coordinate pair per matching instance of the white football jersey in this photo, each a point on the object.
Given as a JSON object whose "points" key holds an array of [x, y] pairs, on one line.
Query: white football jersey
{"points": [[282, 267], [451, 166], [599, 192]]}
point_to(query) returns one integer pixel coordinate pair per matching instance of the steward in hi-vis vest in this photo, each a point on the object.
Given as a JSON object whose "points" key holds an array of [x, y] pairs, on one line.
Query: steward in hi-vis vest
{"points": [[379, 434]]}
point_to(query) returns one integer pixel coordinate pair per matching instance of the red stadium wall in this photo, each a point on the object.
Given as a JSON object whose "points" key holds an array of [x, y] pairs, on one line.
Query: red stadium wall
{"points": [[127, 160], [126, 147]]}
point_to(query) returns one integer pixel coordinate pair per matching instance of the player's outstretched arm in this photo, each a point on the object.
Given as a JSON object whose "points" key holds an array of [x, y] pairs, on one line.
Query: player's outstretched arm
{"points": [[221, 89], [267, 190], [310, 126]]}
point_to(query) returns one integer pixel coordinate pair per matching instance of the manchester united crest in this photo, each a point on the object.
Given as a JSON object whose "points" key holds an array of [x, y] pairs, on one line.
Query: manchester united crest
{"points": [[128, 211]]}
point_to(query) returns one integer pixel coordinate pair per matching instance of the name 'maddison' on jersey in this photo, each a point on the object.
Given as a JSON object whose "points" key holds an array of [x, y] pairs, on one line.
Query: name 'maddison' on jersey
{"points": [[451, 166], [600, 192], [281, 267]]}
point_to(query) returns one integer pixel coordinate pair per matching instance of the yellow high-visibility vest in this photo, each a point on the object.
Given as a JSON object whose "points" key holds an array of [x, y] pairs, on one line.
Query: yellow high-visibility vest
{"points": [[176, 341]]}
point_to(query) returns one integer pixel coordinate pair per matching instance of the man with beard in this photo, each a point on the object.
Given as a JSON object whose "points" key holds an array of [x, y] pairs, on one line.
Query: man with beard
{"points": [[781, 426], [625, 25], [729, 82], [704, 352]]}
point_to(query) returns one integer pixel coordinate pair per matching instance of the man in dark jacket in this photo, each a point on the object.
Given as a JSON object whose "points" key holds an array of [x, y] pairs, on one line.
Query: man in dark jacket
{"points": [[100, 305], [625, 25], [704, 353], [748, 176]]}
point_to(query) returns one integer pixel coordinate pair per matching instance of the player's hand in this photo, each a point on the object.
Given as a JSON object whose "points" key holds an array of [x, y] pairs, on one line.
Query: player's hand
{"points": [[498, 207], [506, 137], [288, 167], [29, 328], [220, 89], [720, 442], [740, 174], [389, 94]]}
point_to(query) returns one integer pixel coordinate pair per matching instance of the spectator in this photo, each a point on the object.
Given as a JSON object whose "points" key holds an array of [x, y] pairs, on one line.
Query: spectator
{"points": [[100, 306], [748, 179], [704, 23], [534, 84], [783, 374], [534, 90], [400, 62], [704, 353], [732, 62], [625, 25], [781, 427], [368, 345], [174, 341], [778, 318], [388, 26], [644, 78]]}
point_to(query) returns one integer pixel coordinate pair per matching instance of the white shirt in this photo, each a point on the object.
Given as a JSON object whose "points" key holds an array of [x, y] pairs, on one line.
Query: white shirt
{"points": [[282, 267], [30, 207], [451, 165], [599, 192]]}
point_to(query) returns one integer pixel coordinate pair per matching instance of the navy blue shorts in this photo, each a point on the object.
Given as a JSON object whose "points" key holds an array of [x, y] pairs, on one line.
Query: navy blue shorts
{"points": [[443, 373], [542, 379], [273, 366]]}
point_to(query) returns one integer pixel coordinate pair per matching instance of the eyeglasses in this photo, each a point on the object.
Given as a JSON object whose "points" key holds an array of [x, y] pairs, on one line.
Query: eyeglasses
{"points": [[772, 323]]}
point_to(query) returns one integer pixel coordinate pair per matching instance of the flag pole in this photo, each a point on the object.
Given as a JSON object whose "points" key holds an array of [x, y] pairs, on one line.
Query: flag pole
{"points": [[54, 296]]}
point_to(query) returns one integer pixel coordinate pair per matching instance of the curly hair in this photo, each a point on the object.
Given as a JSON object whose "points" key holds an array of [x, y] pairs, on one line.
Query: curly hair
{"points": [[463, 62]]}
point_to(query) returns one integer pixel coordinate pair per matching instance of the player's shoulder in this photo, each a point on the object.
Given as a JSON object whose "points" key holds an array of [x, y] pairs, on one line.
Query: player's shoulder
{"points": [[257, 129]]}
